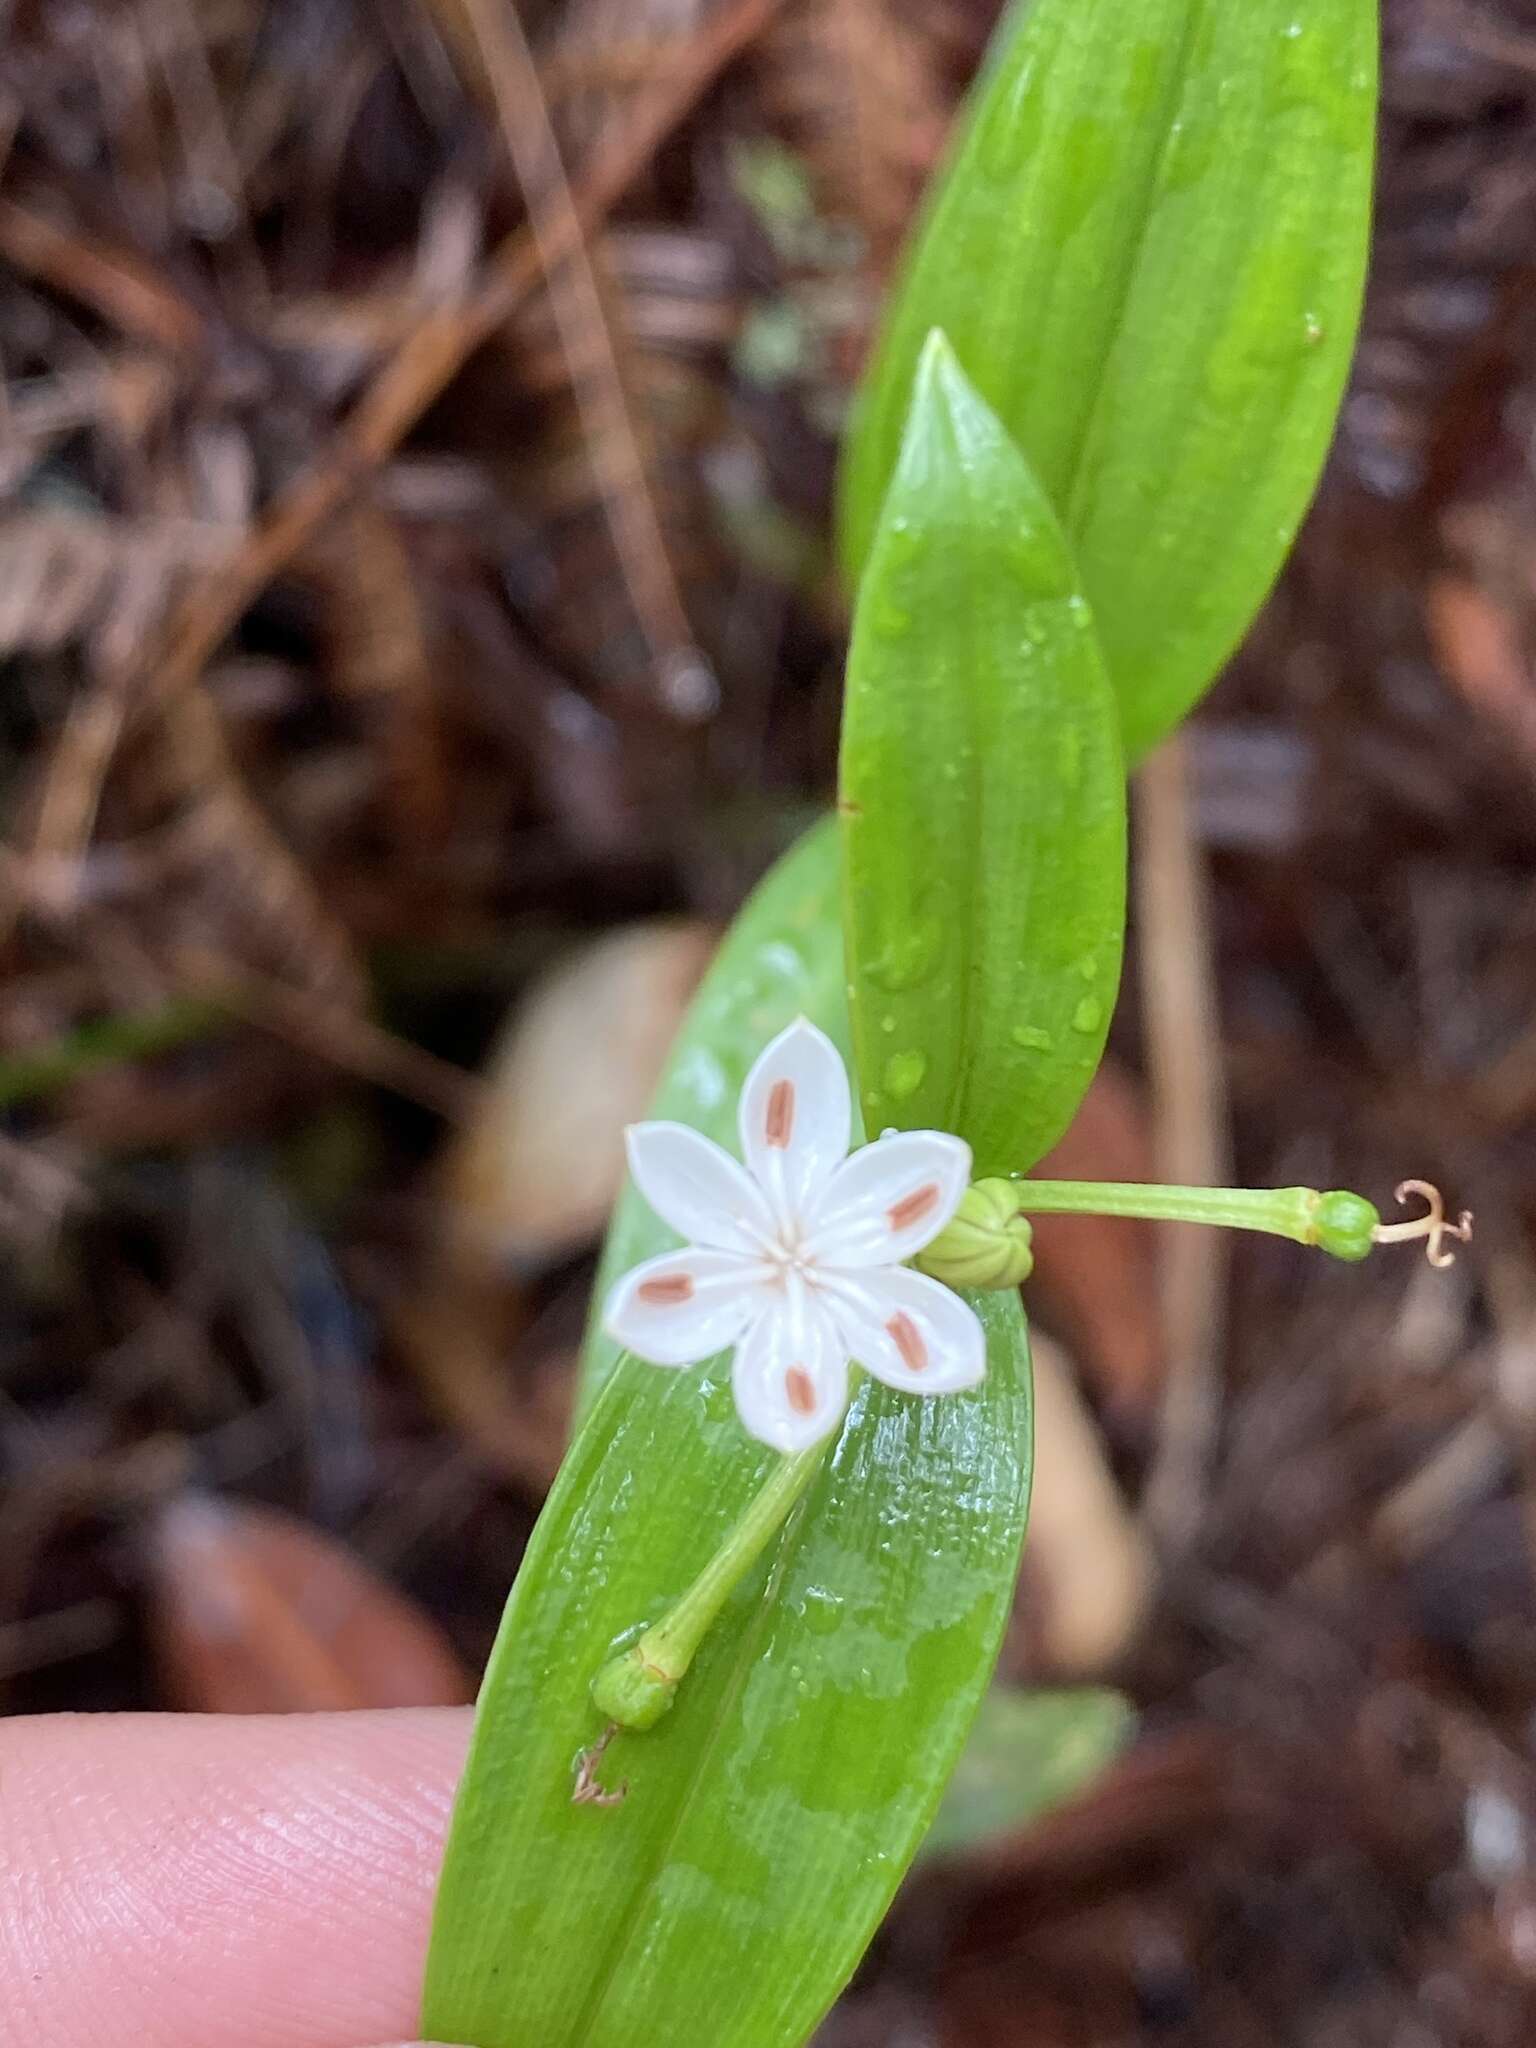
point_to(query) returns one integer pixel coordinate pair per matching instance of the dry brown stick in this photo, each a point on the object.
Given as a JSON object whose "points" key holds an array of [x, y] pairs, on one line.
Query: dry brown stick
{"points": [[335, 1033], [113, 282], [205, 144], [582, 66], [423, 365], [66, 817], [1189, 1113], [613, 441], [241, 844], [1462, 1468]]}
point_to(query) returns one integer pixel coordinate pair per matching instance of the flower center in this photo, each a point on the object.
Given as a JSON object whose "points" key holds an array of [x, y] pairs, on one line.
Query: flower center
{"points": [[788, 1254]]}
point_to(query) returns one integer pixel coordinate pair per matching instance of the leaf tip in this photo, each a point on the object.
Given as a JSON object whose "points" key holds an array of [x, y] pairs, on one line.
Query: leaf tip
{"points": [[936, 356], [949, 423], [940, 386]]}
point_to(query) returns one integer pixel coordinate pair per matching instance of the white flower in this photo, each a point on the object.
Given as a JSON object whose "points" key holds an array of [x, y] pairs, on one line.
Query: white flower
{"points": [[795, 1258]]}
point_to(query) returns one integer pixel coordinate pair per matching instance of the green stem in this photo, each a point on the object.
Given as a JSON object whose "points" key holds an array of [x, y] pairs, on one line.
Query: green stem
{"points": [[1340, 1222], [636, 1687], [1285, 1212]]}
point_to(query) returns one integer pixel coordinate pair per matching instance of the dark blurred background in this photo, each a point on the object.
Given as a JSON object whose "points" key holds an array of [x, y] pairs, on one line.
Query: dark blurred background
{"points": [[419, 631]]}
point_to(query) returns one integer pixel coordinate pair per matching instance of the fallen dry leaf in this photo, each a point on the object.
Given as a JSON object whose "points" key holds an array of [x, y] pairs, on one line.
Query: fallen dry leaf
{"points": [[534, 1175], [255, 1612], [1478, 643]]}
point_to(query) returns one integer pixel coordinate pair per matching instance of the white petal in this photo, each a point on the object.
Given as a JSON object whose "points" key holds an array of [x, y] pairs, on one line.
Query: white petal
{"points": [[908, 1330], [889, 1199], [795, 1117], [705, 1194], [791, 1373], [684, 1306]]}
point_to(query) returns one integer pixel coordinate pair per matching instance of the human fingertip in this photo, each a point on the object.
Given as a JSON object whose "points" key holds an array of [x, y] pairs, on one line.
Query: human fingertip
{"points": [[222, 1879]]}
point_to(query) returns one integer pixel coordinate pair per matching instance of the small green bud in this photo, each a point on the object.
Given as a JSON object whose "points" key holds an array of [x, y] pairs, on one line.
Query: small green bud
{"points": [[1345, 1224], [988, 1241], [633, 1691]]}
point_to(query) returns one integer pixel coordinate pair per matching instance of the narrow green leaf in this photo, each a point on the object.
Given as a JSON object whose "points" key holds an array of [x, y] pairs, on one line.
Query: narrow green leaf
{"points": [[1148, 251], [771, 1814], [982, 798], [1028, 1752]]}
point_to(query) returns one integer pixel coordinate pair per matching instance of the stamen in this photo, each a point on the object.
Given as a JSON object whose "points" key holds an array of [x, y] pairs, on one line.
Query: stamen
{"points": [[914, 1207], [908, 1339], [667, 1290], [780, 1120], [1432, 1226], [801, 1390]]}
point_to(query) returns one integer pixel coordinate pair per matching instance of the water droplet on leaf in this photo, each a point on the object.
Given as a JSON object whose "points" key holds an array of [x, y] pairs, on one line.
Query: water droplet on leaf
{"points": [[908, 957], [904, 1073], [902, 544]]}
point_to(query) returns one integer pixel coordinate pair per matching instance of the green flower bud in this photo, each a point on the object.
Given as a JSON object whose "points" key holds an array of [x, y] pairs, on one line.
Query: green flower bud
{"points": [[1345, 1224], [988, 1241]]}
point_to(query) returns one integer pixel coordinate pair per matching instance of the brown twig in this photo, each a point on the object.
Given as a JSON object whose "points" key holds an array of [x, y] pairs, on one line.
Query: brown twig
{"points": [[114, 283], [245, 851], [335, 1033], [613, 438], [1189, 1126], [609, 66]]}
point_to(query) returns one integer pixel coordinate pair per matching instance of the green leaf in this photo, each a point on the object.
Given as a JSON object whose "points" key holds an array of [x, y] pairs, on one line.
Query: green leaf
{"points": [[982, 798], [1028, 1752], [771, 1814], [1148, 251]]}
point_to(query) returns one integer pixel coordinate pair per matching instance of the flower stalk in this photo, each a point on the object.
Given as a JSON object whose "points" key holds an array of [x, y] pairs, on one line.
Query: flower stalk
{"points": [[1342, 1224], [636, 1687]]}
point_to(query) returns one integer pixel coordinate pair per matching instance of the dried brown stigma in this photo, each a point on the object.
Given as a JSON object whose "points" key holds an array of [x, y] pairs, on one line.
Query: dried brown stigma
{"points": [[1432, 1226]]}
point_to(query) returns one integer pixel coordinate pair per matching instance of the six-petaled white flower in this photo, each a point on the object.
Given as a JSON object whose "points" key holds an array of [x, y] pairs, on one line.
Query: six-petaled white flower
{"points": [[796, 1257]]}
